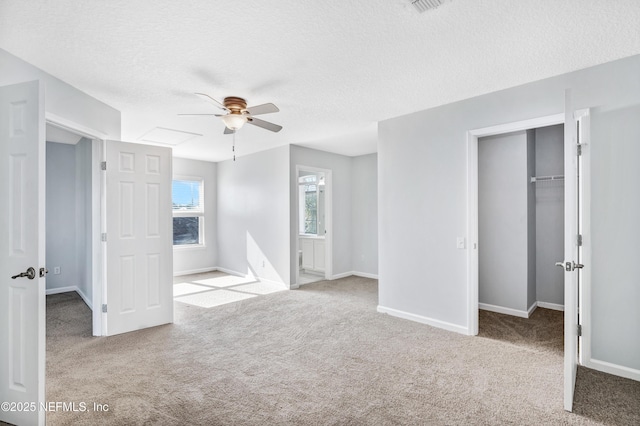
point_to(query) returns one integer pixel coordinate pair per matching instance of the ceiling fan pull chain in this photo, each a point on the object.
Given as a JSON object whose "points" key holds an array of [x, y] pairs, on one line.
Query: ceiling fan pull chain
{"points": [[234, 146]]}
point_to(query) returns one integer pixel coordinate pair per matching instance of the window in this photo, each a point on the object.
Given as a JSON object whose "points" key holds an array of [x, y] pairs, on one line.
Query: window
{"points": [[311, 197], [188, 212]]}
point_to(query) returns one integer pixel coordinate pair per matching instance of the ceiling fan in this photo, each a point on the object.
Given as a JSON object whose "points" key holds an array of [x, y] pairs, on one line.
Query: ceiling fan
{"points": [[237, 113]]}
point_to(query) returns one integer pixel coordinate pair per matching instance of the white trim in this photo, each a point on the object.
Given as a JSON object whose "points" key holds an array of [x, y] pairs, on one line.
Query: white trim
{"points": [[341, 275], [365, 275], [69, 289], [423, 320], [58, 290], [257, 278], [554, 306], [472, 202], [616, 370], [85, 298], [73, 127], [507, 311], [231, 272], [194, 271]]}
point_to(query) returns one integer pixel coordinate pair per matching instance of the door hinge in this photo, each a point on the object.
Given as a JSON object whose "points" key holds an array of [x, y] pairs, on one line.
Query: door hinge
{"points": [[103, 237], [579, 330], [579, 240], [579, 149], [103, 165], [104, 308]]}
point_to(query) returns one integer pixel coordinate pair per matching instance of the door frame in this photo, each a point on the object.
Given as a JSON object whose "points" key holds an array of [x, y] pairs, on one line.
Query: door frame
{"points": [[472, 202], [97, 146], [584, 301], [328, 218]]}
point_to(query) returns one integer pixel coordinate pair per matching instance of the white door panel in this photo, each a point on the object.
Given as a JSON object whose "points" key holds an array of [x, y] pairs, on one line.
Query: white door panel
{"points": [[571, 253], [22, 244], [318, 255], [307, 253], [139, 237]]}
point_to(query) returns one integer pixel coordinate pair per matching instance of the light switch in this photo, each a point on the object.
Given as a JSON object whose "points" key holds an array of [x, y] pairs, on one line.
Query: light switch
{"points": [[460, 243]]}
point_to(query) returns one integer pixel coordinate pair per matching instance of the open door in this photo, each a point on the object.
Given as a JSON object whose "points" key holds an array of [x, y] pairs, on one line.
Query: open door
{"points": [[22, 244], [572, 248], [139, 237]]}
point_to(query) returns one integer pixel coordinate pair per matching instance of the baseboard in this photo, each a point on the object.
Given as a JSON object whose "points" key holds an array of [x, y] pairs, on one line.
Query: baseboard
{"points": [[241, 275], [195, 271], [365, 275], [58, 290], [356, 273], [341, 275], [554, 306], [532, 308], [85, 298], [506, 311], [424, 320], [231, 272], [67, 289], [616, 370]]}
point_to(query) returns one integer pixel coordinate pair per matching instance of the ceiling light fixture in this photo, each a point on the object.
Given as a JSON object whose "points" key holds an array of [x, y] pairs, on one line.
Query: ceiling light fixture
{"points": [[234, 121]]}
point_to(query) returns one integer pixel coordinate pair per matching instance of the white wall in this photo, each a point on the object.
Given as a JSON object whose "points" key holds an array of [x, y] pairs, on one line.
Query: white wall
{"points": [[61, 249], [503, 221], [253, 217], [364, 214], [422, 161], [340, 166], [61, 98], [187, 259], [549, 215]]}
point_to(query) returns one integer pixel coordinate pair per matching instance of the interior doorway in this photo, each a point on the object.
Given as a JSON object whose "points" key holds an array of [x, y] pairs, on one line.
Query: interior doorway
{"points": [[73, 213], [521, 221], [313, 225]]}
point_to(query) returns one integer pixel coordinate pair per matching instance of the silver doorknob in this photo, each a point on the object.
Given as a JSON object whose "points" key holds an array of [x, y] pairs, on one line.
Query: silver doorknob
{"points": [[30, 273], [570, 266]]}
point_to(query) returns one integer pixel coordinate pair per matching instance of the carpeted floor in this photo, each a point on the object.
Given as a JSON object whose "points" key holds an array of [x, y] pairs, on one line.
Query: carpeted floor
{"points": [[320, 355]]}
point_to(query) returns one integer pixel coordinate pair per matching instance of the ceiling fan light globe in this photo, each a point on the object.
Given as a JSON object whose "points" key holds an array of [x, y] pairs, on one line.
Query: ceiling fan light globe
{"points": [[234, 121]]}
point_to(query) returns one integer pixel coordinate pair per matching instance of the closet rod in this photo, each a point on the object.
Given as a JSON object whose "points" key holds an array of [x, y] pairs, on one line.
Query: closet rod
{"points": [[535, 179]]}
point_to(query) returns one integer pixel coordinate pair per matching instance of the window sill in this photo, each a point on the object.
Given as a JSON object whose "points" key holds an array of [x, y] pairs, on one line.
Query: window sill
{"points": [[187, 247]]}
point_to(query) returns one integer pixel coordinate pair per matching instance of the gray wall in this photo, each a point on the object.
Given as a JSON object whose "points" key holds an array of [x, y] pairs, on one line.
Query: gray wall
{"points": [[199, 258], [253, 212], [61, 98], [549, 215], [61, 248], [425, 153], [340, 166], [364, 214], [503, 220]]}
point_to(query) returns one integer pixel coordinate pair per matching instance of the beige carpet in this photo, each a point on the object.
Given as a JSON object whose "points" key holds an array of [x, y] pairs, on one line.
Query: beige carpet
{"points": [[320, 355]]}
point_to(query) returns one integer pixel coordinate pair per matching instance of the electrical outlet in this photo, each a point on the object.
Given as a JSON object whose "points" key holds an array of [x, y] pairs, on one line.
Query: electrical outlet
{"points": [[56, 270], [460, 243], [263, 264]]}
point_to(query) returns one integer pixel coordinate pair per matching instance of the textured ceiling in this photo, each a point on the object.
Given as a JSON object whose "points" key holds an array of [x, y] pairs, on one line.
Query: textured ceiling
{"points": [[334, 67]]}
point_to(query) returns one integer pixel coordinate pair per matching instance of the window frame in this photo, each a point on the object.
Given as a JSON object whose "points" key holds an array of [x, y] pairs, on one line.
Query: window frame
{"points": [[199, 213]]}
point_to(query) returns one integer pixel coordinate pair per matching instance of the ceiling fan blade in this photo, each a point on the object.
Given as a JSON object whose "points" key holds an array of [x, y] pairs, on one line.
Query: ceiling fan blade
{"points": [[215, 101], [264, 124], [186, 115], [262, 109], [228, 131]]}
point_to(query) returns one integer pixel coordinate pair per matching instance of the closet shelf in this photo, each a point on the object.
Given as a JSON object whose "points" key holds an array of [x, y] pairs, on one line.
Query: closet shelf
{"points": [[535, 179]]}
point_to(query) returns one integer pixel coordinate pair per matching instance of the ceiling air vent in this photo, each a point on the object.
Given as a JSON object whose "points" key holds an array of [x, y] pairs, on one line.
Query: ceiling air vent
{"points": [[424, 5]]}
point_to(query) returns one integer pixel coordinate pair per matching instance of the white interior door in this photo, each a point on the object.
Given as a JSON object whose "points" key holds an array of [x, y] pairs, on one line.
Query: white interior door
{"points": [[22, 244], [572, 262], [139, 227]]}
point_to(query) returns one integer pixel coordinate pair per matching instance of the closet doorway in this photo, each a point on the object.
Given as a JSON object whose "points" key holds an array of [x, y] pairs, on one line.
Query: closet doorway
{"points": [[73, 205], [521, 221]]}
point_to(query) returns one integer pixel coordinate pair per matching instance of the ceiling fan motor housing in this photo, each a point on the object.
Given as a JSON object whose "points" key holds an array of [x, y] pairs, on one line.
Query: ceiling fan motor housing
{"points": [[235, 105]]}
